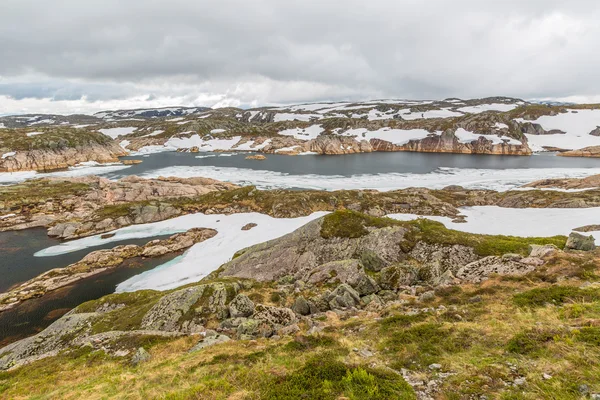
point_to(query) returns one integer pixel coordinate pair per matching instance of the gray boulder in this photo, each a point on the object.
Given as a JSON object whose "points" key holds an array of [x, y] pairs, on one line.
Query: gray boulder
{"points": [[578, 241], [241, 306], [366, 285], [480, 270], [396, 276], [274, 315], [371, 261], [344, 296], [301, 306], [541, 251], [210, 341], [140, 356]]}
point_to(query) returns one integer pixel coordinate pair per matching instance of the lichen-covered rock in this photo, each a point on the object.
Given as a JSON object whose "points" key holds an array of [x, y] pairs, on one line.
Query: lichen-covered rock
{"points": [[301, 306], [578, 241], [366, 285], [437, 258], [274, 315], [342, 271], [241, 306], [187, 308], [479, 270], [46, 343], [167, 313], [541, 251], [210, 341], [371, 261], [344, 296], [140, 356], [397, 276]]}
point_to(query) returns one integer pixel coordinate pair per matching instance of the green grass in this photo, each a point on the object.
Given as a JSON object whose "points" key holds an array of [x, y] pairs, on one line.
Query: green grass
{"points": [[556, 295], [352, 224], [324, 377], [32, 192], [530, 341], [129, 317], [54, 138], [484, 245]]}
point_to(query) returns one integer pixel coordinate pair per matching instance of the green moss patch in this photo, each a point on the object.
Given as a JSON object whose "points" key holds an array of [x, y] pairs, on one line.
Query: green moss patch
{"points": [[352, 224], [324, 378], [556, 295]]}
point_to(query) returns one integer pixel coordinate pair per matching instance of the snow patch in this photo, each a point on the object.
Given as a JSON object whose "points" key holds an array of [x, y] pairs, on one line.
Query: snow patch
{"points": [[488, 107], [9, 154], [465, 136], [116, 132], [279, 117], [202, 258], [30, 134], [312, 132], [524, 222], [576, 123]]}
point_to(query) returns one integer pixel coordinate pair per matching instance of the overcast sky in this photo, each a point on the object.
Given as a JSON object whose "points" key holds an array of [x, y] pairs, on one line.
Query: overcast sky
{"points": [[68, 56]]}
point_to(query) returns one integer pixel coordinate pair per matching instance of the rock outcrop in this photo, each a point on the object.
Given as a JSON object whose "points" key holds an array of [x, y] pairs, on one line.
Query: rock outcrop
{"points": [[61, 158], [90, 205], [592, 151]]}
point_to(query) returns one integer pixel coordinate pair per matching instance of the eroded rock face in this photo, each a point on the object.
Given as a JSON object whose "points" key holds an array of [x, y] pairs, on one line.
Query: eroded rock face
{"points": [[437, 258], [305, 255]]}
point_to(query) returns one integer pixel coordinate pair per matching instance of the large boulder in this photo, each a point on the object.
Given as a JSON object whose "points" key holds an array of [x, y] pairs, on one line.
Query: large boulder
{"points": [[342, 271], [186, 309], [371, 261], [274, 315], [541, 251], [578, 241]]}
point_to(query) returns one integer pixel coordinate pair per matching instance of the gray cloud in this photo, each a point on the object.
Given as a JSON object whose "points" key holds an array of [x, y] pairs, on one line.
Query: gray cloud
{"points": [[271, 51]]}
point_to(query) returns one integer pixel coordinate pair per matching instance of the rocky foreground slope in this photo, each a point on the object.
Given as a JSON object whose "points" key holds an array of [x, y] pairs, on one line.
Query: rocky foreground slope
{"points": [[349, 305]]}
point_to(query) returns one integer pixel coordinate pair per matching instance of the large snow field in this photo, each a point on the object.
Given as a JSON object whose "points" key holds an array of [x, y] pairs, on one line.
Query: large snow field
{"points": [[494, 179]]}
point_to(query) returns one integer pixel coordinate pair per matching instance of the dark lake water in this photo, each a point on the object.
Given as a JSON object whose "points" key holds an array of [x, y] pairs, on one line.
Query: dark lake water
{"points": [[17, 264], [356, 164], [34, 315]]}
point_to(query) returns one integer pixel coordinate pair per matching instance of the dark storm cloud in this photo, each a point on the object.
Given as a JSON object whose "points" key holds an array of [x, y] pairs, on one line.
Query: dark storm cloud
{"points": [[252, 52]]}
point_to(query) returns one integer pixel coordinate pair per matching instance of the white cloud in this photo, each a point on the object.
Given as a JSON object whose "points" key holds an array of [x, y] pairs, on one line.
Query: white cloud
{"points": [[239, 53]]}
